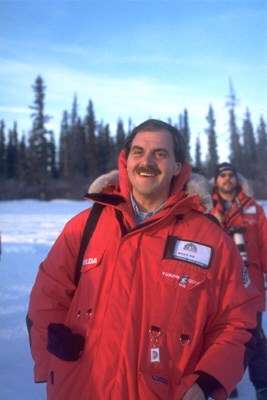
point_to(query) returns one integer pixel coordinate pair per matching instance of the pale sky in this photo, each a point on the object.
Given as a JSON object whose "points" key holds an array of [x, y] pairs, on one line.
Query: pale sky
{"points": [[135, 59]]}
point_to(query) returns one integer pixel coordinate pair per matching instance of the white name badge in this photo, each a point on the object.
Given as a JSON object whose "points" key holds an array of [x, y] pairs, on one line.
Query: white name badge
{"points": [[192, 252], [250, 210]]}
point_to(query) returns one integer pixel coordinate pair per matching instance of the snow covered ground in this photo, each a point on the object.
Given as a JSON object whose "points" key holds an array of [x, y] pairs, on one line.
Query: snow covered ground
{"points": [[28, 229]]}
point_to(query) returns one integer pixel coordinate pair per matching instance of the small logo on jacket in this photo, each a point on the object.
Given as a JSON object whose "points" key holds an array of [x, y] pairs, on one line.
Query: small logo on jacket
{"points": [[184, 280], [88, 261], [190, 247]]}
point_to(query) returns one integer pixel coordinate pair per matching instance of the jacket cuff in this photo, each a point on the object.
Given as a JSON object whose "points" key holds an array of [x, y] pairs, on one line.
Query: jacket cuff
{"points": [[207, 383]]}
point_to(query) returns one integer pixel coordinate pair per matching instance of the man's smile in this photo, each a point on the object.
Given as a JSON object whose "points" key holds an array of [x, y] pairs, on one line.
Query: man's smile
{"points": [[147, 172]]}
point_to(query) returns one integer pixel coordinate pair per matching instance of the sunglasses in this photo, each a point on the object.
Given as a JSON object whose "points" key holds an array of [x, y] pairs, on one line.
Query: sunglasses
{"points": [[225, 174]]}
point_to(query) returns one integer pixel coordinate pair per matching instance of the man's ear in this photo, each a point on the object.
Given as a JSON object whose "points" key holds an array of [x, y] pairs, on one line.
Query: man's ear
{"points": [[178, 169]]}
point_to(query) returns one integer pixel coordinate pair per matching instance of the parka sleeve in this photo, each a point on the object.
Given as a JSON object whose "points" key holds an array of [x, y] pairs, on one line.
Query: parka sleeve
{"points": [[227, 331], [52, 292], [262, 238]]}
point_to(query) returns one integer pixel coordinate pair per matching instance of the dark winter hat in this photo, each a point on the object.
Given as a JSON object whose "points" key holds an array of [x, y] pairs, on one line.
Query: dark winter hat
{"points": [[224, 167]]}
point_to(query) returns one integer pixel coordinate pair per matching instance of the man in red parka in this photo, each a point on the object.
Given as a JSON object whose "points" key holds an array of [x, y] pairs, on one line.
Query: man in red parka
{"points": [[245, 220], [164, 303]]}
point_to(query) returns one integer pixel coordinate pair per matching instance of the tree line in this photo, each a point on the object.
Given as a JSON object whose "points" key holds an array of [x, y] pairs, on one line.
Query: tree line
{"points": [[34, 166]]}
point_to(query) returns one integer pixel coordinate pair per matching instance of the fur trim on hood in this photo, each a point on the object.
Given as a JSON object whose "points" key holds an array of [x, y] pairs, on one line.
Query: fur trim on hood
{"points": [[197, 184], [242, 182], [111, 178]]}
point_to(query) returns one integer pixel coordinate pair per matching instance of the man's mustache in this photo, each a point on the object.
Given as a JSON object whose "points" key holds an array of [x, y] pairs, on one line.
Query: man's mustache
{"points": [[148, 170]]}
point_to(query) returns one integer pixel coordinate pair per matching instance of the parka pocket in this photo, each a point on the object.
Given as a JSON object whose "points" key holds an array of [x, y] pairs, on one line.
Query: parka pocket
{"points": [[154, 385], [92, 260], [83, 305], [65, 379], [180, 289], [159, 386], [181, 275]]}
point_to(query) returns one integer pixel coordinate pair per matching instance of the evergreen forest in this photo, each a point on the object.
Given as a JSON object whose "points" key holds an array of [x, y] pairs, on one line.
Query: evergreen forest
{"points": [[35, 166]]}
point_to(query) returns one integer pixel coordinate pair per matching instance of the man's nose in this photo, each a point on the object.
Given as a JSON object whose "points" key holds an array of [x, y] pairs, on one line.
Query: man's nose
{"points": [[148, 159]]}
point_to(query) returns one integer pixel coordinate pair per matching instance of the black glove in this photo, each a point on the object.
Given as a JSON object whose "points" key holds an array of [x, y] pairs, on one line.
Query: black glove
{"points": [[64, 344]]}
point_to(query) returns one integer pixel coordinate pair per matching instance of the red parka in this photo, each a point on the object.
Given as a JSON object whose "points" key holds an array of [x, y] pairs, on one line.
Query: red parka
{"points": [[247, 213], [155, 302]]}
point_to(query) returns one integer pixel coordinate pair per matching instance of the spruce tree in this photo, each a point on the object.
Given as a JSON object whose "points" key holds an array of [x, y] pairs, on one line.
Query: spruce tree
{"points": [[104, 153], [81, 158], [120, 137], [22, 156], [250, 154], [262, 149], [12, 153], [130, 126], [90, 141], [52, 167], [77, 143], [38, 140], [185, 130], [65, 153], [236, 156], [212, 158], [198, 163]]}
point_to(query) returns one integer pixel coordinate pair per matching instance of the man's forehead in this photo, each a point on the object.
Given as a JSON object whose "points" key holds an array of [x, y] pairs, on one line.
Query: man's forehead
{"points": [[160, 134]]}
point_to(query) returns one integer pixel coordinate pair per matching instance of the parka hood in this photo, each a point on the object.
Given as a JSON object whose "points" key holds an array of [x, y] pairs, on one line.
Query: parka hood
{"points": [[242, 182], [185, 184]]}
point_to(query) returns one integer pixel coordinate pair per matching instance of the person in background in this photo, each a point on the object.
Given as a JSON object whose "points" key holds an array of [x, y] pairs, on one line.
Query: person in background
{"points": [[164, 303], [244, 219]]}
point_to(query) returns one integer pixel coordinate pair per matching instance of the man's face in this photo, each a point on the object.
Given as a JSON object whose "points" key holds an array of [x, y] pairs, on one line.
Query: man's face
{"points": [[226, 182], [151, 166]]}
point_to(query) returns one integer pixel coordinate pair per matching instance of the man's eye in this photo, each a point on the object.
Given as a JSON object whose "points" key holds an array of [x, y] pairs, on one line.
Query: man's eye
{"points": [[161, 154], [136, 152]]}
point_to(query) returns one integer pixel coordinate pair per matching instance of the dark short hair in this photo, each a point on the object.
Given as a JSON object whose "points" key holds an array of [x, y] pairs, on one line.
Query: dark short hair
{"points": [[157, 125]]}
